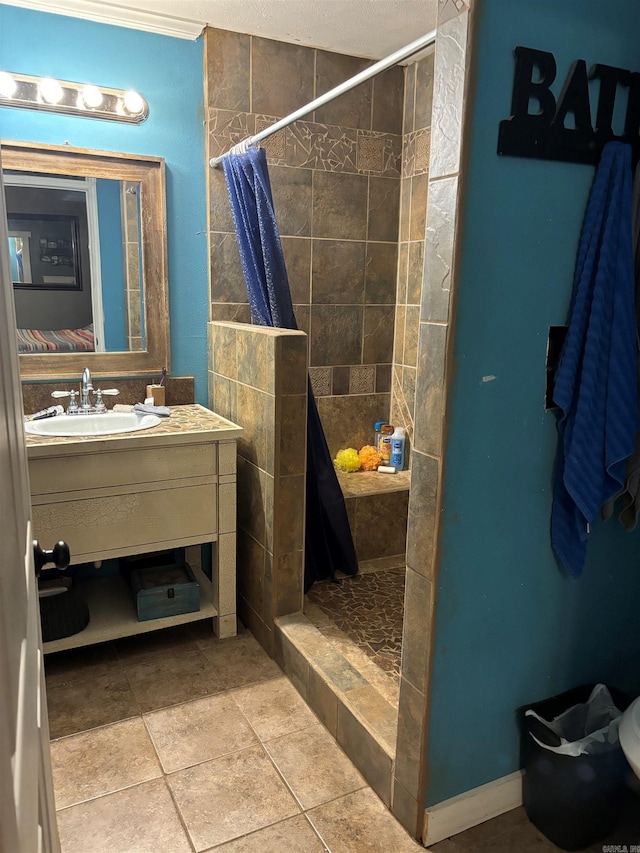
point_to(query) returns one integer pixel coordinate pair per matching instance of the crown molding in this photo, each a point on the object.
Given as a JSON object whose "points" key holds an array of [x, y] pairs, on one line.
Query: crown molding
{"points": [[121, 16]]}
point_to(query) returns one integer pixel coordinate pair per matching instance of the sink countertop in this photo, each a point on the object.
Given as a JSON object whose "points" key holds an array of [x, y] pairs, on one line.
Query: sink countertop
{"points": [[184, 424]]}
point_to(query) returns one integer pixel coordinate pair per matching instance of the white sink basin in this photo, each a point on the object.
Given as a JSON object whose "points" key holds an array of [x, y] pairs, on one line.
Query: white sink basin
{"points": [[109, 423]]}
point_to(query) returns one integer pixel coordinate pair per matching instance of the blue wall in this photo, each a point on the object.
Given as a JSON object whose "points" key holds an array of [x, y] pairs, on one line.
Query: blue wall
{"points": [[112, 265], [168, 72], [510, 628]]}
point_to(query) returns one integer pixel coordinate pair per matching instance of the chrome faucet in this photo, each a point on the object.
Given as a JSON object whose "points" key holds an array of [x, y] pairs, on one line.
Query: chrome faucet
{"points": [[85, 388]]}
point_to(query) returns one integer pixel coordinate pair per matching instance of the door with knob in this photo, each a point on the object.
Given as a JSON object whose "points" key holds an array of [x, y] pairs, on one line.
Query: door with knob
{"points": [[59, 556], [27, 810]]}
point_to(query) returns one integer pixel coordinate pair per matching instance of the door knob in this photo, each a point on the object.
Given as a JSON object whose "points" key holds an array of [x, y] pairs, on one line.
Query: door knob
{"points": [[59, 556]]}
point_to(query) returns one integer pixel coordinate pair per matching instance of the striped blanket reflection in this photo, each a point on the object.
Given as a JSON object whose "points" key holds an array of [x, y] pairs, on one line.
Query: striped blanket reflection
{"points": [[56, 340]]}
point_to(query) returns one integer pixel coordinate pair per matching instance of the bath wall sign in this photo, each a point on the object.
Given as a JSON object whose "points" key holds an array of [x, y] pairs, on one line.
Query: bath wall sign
{"points": [[550, 127]]}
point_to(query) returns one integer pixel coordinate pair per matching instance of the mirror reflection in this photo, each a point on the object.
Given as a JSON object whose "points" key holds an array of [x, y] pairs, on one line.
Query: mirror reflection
{"points": [[114, 293], [37, 243], [75, 253]]}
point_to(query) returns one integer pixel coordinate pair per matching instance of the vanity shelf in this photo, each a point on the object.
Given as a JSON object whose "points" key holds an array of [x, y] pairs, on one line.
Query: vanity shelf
{"points": [[113, 613], [113, 496]]}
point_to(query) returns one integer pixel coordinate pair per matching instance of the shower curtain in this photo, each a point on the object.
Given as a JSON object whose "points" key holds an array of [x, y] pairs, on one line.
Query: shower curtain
{"points": [[328, 541]]}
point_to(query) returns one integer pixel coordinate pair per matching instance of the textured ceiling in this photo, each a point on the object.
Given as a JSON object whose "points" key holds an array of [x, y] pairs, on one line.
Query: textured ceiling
{"points": [[369, 28]]}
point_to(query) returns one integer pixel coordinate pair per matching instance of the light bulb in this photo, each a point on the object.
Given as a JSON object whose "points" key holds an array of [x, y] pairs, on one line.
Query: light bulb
{"points": [[50, 90], [92, 96], [8, 85], [133, 103]]}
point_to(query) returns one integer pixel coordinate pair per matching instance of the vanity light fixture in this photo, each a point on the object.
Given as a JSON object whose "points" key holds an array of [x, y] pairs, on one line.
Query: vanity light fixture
{"points": [[50, 91], [91, 97], [8, 85], [133, 103], [79, 99]]}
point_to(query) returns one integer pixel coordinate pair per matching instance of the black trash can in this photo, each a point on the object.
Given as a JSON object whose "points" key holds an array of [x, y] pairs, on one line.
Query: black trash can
{"points": [[575, 801], [63, 615]]}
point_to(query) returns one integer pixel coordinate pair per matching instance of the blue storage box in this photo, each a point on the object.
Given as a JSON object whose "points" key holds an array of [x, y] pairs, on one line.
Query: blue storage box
{"points": [[165, 591]]}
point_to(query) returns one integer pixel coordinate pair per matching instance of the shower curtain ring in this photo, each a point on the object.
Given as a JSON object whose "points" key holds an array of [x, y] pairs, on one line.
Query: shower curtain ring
{"points": [[242, 146]]}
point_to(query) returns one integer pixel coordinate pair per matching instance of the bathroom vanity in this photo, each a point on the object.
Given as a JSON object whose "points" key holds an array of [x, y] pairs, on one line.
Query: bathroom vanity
{"points": [[132, 493]]}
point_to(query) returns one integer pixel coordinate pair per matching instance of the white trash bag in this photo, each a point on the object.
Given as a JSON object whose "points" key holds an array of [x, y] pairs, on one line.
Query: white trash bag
{"points": [[588, 728]]}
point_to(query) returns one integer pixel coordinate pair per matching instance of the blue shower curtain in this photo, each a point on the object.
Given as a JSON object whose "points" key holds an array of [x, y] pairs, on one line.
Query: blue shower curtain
{"points": [[328, 541]]}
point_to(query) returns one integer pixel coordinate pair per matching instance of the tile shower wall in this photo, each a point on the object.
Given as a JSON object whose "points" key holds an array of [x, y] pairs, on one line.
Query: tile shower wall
{"points": [[132, 272], [416, 147], [336, 186], [433, 366], [258, 378]]}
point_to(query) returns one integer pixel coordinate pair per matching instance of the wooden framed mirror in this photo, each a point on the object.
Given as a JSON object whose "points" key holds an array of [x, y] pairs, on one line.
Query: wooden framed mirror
{"points": [[116, 320]]}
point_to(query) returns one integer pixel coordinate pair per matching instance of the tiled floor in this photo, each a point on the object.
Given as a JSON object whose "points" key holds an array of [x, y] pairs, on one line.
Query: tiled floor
{"points": [[369, 609], [177, 742]]}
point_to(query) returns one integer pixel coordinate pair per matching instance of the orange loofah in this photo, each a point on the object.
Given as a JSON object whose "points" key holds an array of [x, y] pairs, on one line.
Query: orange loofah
{"points": [[369, 458]]}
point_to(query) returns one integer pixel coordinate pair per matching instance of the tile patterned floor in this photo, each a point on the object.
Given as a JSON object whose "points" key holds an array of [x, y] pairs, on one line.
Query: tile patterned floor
{"points": [[369, 609], [177, 742], [143, 765]]}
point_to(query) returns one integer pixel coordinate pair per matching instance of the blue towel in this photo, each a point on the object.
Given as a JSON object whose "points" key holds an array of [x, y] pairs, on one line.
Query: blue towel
{"points": [[596, 381]]}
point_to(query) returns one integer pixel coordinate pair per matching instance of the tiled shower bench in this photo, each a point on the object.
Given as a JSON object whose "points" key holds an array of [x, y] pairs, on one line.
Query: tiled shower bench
{"points": [[377, 506]]}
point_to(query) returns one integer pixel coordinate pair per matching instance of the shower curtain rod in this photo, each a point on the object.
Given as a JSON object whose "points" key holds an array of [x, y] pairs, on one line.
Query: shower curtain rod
{"points": [[382, 65]]}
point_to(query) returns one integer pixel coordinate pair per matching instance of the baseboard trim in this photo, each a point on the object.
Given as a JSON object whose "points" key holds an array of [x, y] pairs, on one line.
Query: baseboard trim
{"points": [[471, 808]]}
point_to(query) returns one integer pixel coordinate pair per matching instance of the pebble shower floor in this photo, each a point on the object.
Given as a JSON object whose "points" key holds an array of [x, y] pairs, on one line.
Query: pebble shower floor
{"points": [[369, 609]]}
